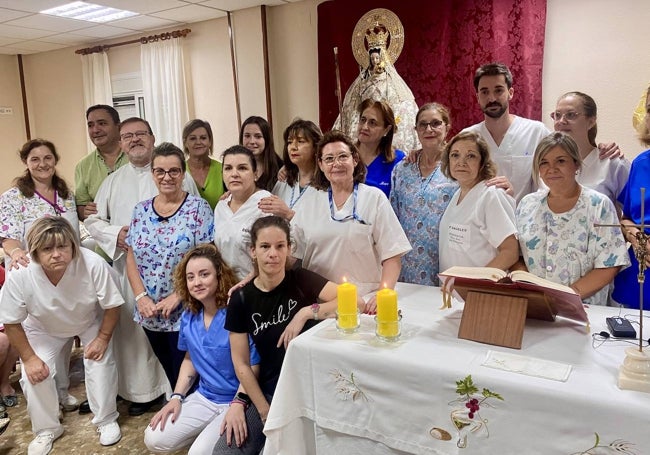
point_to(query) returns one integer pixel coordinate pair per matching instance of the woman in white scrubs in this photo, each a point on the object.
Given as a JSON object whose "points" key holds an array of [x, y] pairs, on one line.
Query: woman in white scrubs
{"points": [[349, 230], [478, 227], [65, 291], [235, 214]]}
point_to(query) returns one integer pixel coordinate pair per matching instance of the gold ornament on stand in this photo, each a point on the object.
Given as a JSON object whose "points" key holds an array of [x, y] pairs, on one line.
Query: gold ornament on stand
{"points": [[634, 374], [635, 371]]}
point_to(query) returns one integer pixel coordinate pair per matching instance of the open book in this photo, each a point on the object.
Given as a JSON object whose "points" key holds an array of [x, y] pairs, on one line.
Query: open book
{"points": [[546, 298]]}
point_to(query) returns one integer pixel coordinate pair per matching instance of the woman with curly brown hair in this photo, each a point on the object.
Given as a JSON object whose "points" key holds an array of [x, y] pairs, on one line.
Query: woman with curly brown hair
{"points": [[478, 227], [218, 404]]}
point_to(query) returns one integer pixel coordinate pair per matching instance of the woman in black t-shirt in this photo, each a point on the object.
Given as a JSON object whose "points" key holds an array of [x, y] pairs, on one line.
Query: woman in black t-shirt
{"points": [[274, 308]]}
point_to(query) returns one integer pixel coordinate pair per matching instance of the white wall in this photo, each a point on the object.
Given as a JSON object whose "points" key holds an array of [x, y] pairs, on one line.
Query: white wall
{"points": [[599, 47]]}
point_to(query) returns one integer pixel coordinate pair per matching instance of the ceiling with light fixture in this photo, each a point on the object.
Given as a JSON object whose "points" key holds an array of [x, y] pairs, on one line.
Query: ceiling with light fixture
{"points": [[24, 30]]}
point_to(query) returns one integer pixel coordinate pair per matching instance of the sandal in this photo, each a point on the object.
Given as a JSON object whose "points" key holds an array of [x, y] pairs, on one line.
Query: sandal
{"points": [[10, 400]]}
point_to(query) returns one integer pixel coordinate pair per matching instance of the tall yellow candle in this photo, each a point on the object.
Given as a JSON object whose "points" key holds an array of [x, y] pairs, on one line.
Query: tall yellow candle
{"points": [[347, 306], [386, 305]]}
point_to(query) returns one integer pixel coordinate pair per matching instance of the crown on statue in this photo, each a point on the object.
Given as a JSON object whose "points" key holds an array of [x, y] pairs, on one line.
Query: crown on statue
{"points": [[377, 37]]}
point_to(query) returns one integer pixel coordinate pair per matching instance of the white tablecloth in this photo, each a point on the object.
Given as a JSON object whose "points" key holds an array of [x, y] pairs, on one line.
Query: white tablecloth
{"points": [[403, 392]]}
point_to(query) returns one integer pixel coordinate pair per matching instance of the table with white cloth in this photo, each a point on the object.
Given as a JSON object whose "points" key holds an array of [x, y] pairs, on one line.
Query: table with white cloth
{"points": [[353, 394]]}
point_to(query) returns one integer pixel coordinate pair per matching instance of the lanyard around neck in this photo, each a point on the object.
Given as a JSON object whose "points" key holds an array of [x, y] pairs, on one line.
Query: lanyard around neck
{"points": [[355, 216], [55, 205]]}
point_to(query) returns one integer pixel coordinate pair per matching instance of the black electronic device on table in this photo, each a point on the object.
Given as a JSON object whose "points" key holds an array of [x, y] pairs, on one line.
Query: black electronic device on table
{"points": [[620, 327]]}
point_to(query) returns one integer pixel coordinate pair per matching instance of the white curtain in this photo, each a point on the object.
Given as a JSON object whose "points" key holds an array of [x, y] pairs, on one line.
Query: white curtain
{"points": [[97, 82], [165, 94]]}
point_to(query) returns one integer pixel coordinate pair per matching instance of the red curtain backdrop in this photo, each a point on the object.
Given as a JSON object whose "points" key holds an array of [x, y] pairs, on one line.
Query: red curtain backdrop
{"points": [[445, 41]]}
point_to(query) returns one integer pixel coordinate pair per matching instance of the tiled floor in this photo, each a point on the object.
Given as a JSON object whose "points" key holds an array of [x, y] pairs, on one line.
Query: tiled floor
{"points": [[80, 435]]}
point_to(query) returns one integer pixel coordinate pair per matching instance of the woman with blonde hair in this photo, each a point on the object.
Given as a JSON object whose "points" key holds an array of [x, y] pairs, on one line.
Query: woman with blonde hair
{"points": [[558, 233]]}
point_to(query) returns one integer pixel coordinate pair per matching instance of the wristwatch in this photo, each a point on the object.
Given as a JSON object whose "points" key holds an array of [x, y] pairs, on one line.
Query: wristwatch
{"points": [[314, 308], [180, 396], [241, 396]]}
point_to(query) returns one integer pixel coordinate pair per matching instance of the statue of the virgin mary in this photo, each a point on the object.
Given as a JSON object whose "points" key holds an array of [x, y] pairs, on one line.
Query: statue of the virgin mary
{"points": [[377, 41]]}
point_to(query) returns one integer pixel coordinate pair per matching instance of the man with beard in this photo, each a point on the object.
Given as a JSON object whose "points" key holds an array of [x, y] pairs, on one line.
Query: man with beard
{"points": [[512, 139], [141, 378]]}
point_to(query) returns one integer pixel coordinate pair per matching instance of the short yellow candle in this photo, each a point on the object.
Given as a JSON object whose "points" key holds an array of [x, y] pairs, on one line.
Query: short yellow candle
{"points": [[347, 306], [386, 305]]}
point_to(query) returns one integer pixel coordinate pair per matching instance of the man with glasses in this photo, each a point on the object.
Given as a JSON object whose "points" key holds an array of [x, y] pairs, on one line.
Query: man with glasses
{"points": [[142, 379]]}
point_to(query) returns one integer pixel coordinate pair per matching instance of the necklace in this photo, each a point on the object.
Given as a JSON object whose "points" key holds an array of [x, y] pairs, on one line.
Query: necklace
{"points": [[425, 182]]}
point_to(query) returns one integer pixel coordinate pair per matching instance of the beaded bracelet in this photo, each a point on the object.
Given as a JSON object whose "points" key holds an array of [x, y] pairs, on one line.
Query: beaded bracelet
{"points": [[238, 401]]}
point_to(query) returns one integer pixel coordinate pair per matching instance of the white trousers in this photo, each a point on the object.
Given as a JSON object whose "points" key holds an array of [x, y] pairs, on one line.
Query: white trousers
{"points": [[198, 424], [101, 380]]}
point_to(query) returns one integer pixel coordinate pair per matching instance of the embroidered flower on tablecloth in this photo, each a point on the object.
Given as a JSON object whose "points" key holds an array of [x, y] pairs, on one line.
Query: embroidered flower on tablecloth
{"points": [[619, 447], [347, 388], [466, 418]]}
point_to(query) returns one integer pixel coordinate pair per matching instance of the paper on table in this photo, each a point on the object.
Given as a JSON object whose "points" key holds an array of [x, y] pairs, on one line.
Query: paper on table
{"points": [[529, 366]]}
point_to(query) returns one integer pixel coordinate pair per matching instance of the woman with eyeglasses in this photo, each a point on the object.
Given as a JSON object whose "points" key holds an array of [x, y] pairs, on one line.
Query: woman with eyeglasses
{"points": [[557, 228], [256, 135], [576, 114], [478, 227], [206, 172], [300, 140], [420, 194], [162, 230], [235, 214], [375, 132], [349, 230]]}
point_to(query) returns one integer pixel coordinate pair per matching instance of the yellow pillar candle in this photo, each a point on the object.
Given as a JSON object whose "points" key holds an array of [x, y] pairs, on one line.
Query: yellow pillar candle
{"points": [[386, 305], [347, 298], [347, 306]]}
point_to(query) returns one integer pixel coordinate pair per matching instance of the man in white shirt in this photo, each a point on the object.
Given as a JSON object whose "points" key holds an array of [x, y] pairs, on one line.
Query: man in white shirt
{"points": [[142, 379], [512, 139]]}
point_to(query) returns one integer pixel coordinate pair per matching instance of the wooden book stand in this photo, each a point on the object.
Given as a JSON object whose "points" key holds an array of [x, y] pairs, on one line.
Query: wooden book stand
{"points": [[498, 316]]}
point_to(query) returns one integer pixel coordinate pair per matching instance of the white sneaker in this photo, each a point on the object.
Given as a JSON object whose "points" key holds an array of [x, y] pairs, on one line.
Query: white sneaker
{"points": [[42, 443], [69, 404], [109, 434]]}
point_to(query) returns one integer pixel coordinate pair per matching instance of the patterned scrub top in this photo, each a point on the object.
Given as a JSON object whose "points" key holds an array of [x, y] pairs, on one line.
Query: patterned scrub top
{"points": [[563, 247], [159, 243], [419, 204]]}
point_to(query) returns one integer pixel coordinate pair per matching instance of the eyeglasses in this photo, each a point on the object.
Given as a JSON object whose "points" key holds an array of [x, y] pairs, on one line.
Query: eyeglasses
{"points": [[569, 116], [434, 124], [138, 134], [343, 158], [160, 173], [371, 122]]}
